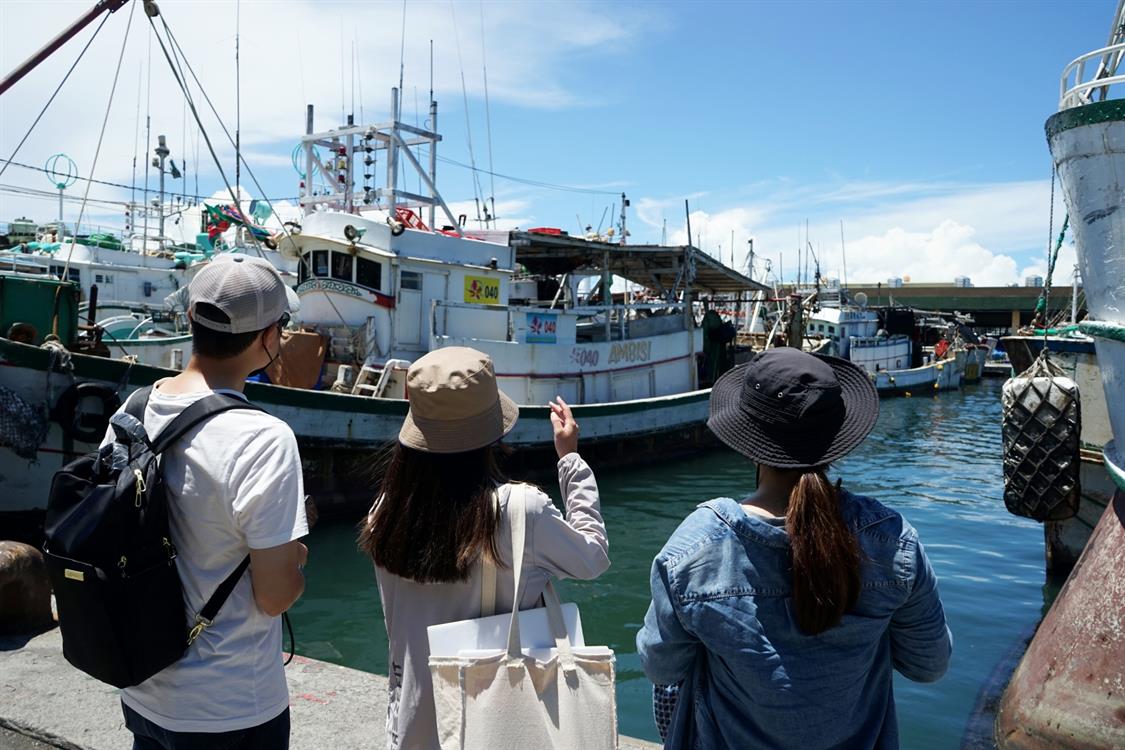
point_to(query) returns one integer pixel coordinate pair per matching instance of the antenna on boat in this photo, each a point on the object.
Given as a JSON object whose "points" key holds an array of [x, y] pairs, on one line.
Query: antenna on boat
{"points": [[433, 128], [687, 215], [844, 253], [342, 117], [237, 108], [402, 51], [488, 122], [624, 233], [148, 139]]}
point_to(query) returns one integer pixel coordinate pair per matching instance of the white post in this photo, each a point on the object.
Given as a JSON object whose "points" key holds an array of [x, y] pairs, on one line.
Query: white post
{"points": [[433, 157], [607, 294], [1074, 298], [392, 154]]}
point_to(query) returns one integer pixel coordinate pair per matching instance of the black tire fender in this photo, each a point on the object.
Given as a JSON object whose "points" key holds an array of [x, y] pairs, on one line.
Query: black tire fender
{"points": [[77, 420]]}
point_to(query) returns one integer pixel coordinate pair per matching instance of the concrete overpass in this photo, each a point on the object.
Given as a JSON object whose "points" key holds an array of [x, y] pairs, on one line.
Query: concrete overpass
{"points": [[991, 306]]}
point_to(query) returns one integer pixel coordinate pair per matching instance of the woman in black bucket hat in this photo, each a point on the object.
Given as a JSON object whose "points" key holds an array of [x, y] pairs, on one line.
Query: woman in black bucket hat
{"points": [[777, 619]]}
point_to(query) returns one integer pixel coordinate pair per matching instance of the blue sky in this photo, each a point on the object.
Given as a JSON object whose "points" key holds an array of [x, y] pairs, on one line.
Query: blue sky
{"points": [[919, 125]]}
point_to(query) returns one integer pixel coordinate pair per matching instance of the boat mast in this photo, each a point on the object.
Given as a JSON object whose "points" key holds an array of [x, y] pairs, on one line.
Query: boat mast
{"points": [[237, 110], [624, 205], [337, 169], [433, 128]]}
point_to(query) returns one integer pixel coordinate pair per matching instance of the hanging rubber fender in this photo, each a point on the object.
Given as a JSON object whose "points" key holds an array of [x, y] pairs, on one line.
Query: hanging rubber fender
{"points": [[83, 411], [270, 242]]}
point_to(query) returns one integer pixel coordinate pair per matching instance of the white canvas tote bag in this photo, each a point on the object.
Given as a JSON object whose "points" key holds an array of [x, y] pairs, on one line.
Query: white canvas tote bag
{"points": [[493, 699]]}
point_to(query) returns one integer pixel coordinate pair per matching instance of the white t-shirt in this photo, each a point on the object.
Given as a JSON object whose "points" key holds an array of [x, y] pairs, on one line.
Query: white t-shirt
{"points": [[233, 484]]}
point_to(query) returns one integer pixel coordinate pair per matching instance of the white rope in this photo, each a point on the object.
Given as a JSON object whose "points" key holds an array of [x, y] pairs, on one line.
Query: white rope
{"points": [[101, 135]]}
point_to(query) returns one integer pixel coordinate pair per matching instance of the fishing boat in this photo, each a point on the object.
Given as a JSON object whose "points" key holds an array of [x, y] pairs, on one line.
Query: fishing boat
{"points": [[139, 268], [1068, 691], [379, 287], [885, 344]]}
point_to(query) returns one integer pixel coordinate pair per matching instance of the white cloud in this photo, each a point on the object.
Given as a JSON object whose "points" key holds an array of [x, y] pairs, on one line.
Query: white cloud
{"points": [[949, 250], [929, 231], [292, 53]]}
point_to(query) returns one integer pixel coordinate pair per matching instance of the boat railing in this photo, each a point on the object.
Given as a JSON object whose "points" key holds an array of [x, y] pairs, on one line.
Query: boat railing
{"points": [[1080, 81]]}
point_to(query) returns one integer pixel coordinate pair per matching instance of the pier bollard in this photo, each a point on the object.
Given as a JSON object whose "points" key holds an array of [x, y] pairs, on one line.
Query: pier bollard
{"points": [[25, 590]]}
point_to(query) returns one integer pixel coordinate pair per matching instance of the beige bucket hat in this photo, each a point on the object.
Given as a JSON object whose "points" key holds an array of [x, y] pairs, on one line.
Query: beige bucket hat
{"points": [[455, 405]]}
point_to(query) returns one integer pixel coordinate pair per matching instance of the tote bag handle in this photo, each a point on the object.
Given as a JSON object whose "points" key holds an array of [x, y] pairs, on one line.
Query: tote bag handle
{"points": [[517, 516], [488, 575]]}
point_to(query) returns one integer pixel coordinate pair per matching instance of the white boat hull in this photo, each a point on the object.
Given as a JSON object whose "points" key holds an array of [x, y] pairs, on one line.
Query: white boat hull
{"points": [[1088, 146], [339, 433], [919, 381]]}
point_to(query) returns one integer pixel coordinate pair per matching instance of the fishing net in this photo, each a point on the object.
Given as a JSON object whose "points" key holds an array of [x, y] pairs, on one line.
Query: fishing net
{"points": [[22, 426], [1042, 427]]}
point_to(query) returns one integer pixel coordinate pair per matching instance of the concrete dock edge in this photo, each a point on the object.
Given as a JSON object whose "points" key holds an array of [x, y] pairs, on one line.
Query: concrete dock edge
{"points": [[44, 700]]}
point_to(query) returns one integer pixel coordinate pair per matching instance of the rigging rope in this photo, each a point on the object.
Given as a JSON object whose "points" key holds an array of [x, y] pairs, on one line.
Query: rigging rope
{"points": [[101, 136], [477, 190], [487, 117], [123, 186], [527, 181], [1041, 305], [53, 95], [176, 46], [176, 73]]}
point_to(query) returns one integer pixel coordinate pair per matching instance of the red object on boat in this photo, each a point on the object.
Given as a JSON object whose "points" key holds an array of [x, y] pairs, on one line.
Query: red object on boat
{"points": [[546, 230], [410, 219]]}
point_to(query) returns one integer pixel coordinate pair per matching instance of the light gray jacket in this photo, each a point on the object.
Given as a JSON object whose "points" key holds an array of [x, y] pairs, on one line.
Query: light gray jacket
{"points": [[572, 547]]}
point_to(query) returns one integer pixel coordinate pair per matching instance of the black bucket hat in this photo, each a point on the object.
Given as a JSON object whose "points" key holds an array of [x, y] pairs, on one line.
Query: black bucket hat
{"points": [[792, 410]]}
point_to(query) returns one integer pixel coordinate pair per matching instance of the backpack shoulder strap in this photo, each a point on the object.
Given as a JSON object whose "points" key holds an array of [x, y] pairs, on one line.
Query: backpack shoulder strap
{"points": [[194, 414], [207, 615], [136, 403]]}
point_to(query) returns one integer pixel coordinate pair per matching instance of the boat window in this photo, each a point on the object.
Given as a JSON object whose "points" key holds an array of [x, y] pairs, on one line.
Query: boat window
{"points": [[320, 263], [303, 269], [74, 275], [56, 271], [368, 273], [341, 266], [410, 280], [832, 329]]}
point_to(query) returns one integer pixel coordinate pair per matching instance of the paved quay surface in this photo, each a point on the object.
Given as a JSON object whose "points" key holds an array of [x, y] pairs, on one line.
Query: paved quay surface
{"points": [[46, 703]]}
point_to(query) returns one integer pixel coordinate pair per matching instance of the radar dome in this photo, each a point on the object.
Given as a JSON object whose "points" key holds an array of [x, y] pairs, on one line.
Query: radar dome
{"points": [[861, 299]]}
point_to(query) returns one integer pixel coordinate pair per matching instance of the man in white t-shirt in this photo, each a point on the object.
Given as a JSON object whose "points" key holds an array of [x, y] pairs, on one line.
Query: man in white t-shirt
{"points": [[234, 488]]}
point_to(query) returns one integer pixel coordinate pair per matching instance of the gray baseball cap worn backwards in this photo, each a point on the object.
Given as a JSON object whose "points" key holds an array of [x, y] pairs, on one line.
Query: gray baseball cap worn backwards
{"points": [[249, 291]]}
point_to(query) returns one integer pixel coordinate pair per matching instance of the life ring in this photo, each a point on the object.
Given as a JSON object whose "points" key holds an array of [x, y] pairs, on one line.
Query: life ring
{"points": [[76, 420]]}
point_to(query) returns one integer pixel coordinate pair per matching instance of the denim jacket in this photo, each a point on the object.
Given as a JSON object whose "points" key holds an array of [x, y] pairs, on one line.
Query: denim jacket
{"points": [[721, 622]]}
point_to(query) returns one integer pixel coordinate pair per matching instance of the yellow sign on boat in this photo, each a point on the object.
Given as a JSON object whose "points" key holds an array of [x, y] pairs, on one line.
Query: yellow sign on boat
{"points": [[482, 290]]}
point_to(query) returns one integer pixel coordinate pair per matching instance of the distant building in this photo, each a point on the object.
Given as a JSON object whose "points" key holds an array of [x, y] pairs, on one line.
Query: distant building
{"points": [[894, 283], [1033, 281], [962, 281]]}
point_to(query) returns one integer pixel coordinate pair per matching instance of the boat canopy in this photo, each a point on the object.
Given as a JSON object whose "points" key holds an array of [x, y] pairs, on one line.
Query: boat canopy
{"points": [[657, 267]]}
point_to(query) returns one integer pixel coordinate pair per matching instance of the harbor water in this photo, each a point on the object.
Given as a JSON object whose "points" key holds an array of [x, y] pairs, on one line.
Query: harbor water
{"points": [[934, 458]]}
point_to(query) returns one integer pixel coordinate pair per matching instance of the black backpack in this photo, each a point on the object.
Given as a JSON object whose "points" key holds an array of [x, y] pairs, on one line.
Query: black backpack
{"points": [[110, 554]]}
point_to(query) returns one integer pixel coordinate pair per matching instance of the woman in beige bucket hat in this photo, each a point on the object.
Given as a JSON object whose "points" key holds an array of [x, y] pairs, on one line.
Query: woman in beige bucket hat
{"points": [[441, 511]]}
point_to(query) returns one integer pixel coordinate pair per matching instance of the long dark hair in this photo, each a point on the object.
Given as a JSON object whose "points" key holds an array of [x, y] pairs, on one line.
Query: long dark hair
{"points": [[825, 554], [434, 514]]}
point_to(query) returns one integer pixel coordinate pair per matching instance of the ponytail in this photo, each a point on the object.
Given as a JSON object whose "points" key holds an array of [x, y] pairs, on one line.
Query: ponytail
{"points": [[825, 554]]}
